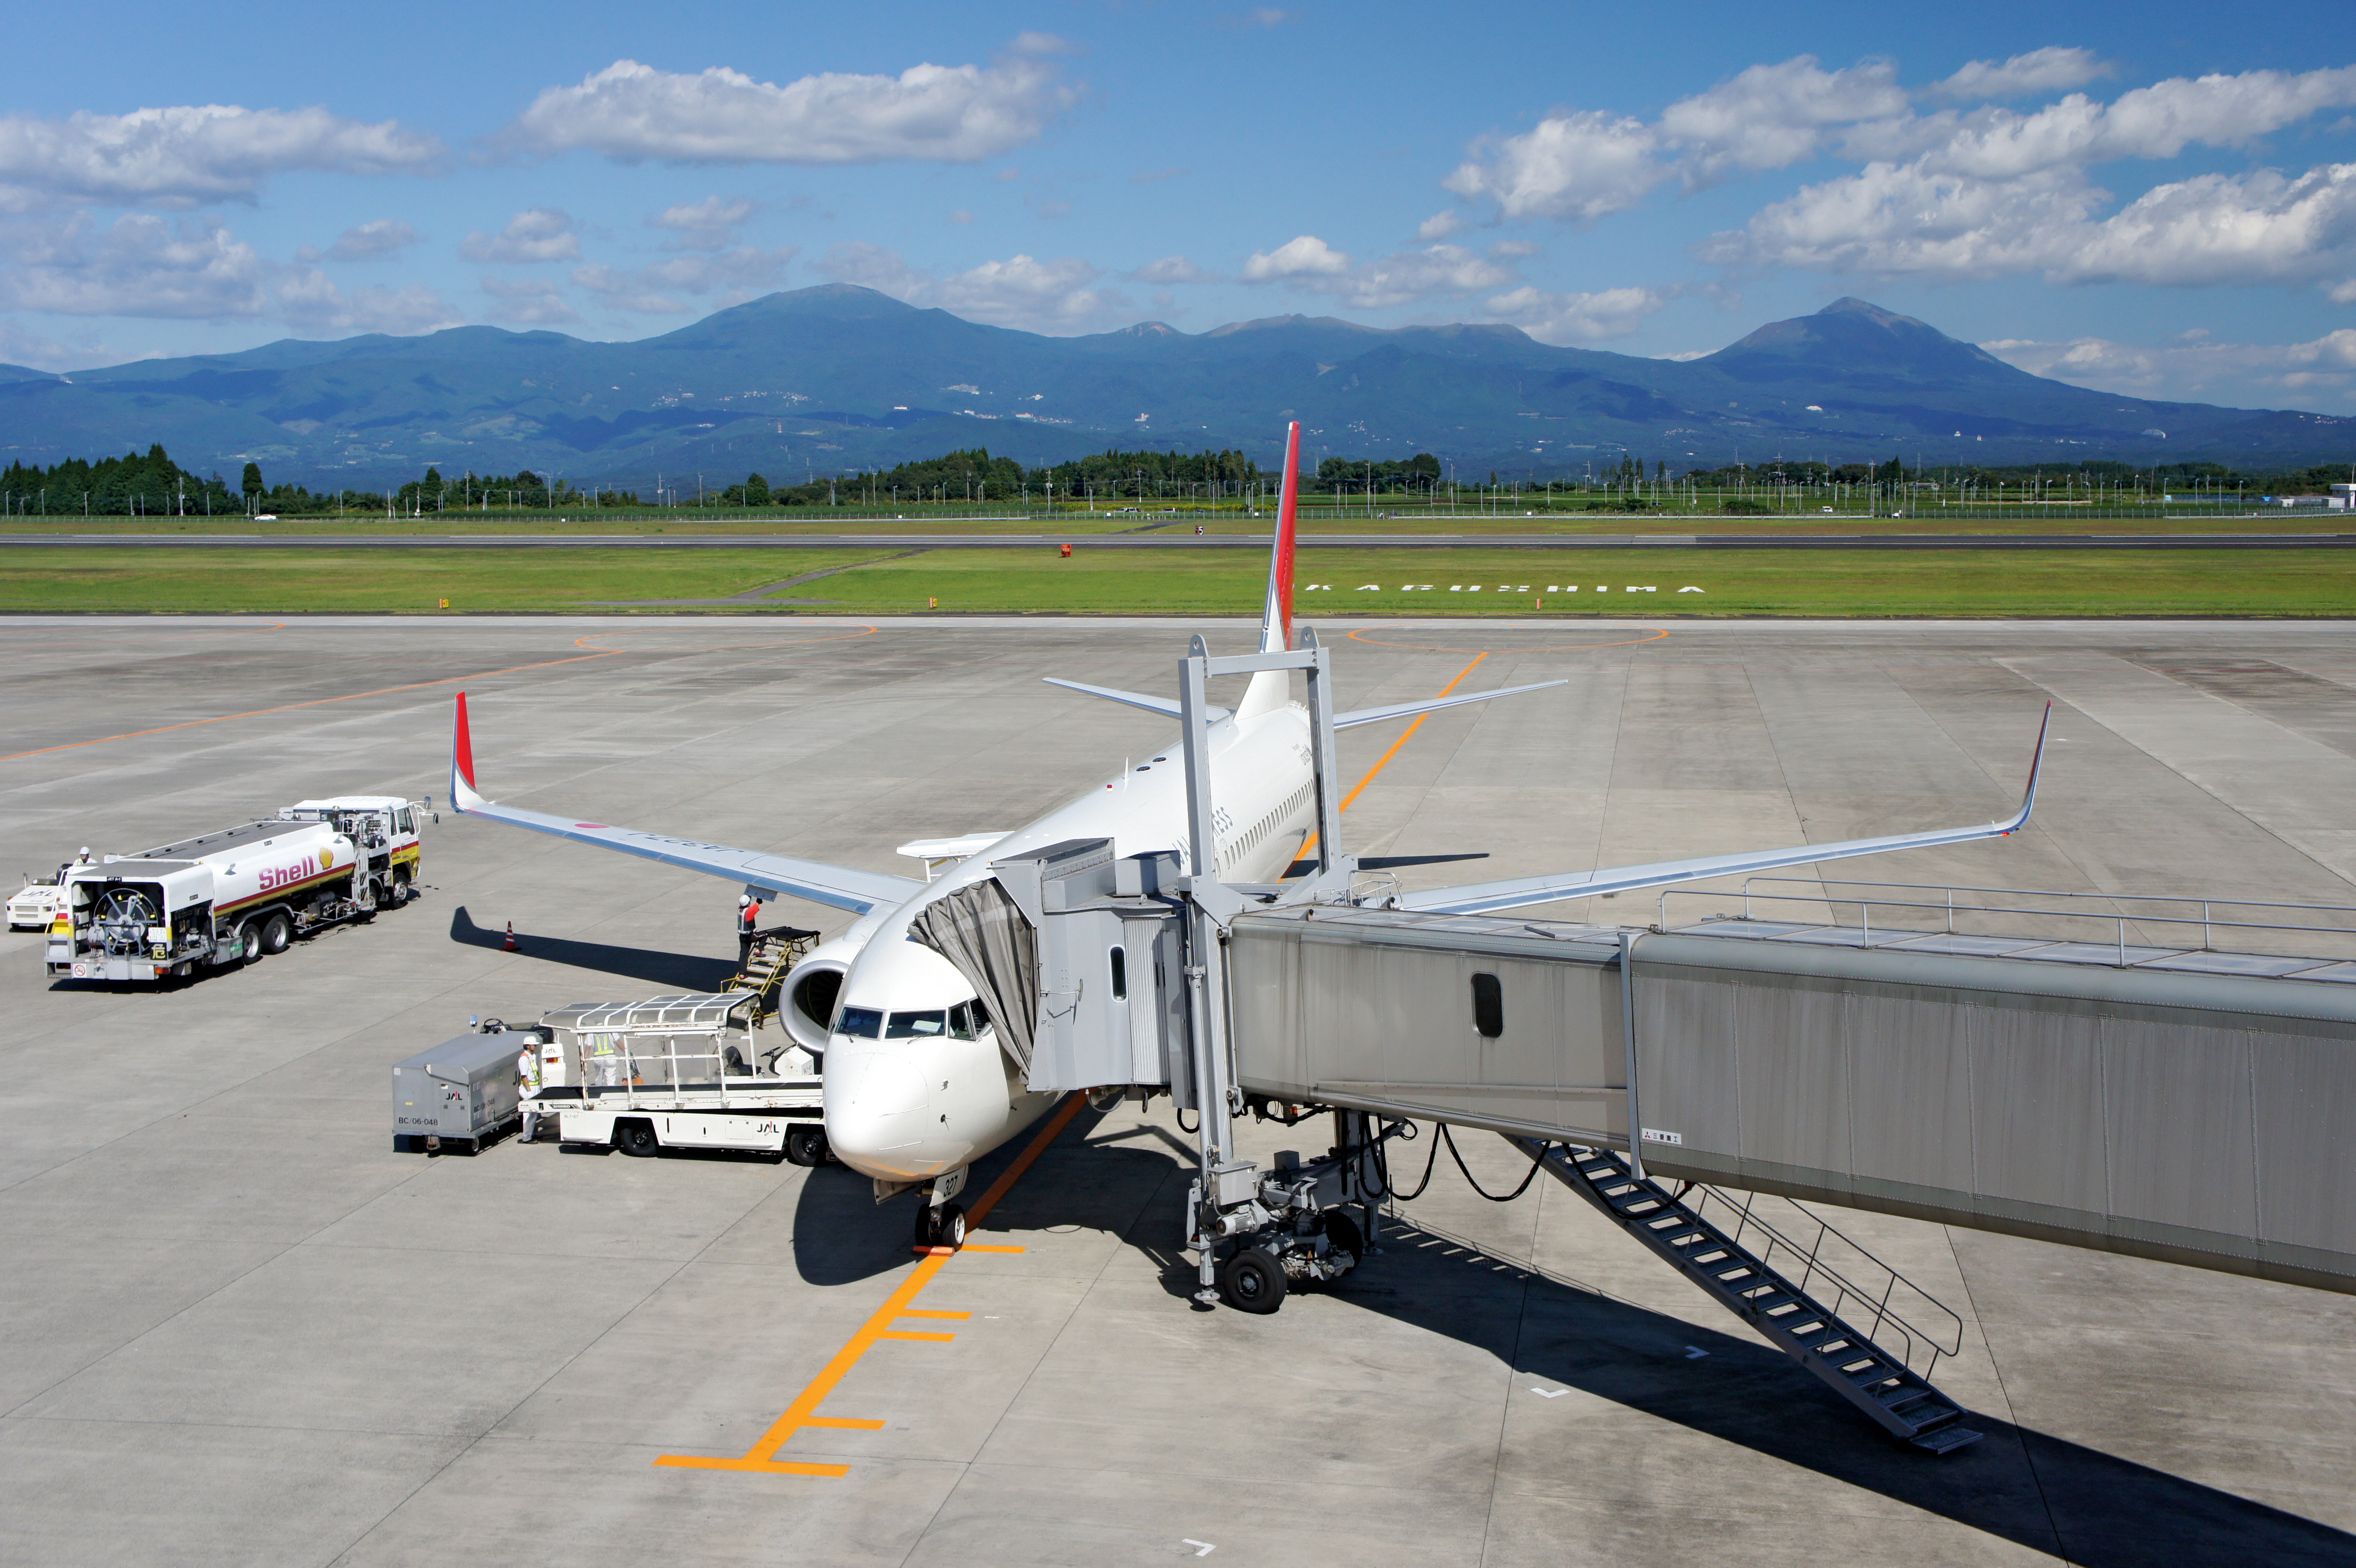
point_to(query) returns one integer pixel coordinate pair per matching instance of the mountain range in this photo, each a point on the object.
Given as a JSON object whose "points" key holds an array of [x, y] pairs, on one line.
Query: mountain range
{"points": [[839, 378]]}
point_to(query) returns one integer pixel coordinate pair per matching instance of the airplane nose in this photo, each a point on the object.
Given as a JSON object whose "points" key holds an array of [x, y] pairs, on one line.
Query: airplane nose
{"points": [[875, 1105]]}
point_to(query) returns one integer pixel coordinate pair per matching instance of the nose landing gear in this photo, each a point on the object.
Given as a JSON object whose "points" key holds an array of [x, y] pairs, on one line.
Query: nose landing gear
{"points": [[942, 1227]]}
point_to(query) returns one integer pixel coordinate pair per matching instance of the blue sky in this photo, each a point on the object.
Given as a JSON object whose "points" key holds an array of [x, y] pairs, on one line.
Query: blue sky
{"points": [[2158, 199]]}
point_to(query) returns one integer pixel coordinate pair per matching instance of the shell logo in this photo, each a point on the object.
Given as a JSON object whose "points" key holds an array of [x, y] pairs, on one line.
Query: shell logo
{"points": [[326, 858]]}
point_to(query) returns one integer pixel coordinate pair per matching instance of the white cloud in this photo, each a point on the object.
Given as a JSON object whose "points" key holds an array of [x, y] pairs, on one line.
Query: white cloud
{"points": [[19, 346], [530, 302], [740, 274], [1771, 116], [1308, 262], [364, 242], [1303, 255], [310, 300], [1056, 297], [710, 224], [873, 266], [1173, 269], [183, 156], [1903, 220], [1580, 317], [2156, 122], [955, 114], [141, 265], [2322, 368], [1440, 224], [1040, 296], [2342, 293], [2039, 70], [535, 234], [1262, 16], [1574, 166]]}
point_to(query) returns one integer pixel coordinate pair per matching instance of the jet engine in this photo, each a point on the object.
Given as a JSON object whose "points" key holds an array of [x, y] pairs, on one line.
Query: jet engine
{"points": [[811, 987]]}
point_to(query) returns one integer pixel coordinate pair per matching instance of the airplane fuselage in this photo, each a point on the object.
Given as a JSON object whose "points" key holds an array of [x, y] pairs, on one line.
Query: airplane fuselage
{"points": [[912, 1095]]}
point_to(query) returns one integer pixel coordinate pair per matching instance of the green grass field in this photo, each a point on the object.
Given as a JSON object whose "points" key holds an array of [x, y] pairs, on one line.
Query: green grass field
{"points": [[1566, 523], [1212, 582]]}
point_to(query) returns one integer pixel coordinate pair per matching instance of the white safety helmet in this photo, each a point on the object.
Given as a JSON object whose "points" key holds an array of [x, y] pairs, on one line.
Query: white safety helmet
{"points": [[744, 900]]}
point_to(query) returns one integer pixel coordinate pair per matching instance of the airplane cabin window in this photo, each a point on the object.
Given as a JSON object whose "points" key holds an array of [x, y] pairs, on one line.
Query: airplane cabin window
{"points": [[1488, 1007], [1119, 975], [917, 1025], [867, 1023]]}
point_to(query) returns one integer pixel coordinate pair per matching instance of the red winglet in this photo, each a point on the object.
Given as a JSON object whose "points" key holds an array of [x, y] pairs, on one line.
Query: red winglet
{"points": [[462, 745]]}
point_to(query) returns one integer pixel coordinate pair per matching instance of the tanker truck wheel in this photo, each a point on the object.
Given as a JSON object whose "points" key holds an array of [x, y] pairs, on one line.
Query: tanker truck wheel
{"points": [[248, 943], [276, 934]]}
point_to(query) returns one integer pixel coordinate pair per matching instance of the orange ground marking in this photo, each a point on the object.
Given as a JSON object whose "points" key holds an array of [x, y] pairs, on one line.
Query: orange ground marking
{"points": [[803, 1411]]}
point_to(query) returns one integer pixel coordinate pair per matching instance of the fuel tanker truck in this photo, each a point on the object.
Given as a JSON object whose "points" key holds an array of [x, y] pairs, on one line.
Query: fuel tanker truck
{"points": [[238, 895]]}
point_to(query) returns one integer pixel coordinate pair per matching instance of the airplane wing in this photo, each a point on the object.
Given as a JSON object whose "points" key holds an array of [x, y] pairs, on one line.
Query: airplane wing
{"points": [[1166, 706], [1486, 897], [1357, 716], [842, 886]]}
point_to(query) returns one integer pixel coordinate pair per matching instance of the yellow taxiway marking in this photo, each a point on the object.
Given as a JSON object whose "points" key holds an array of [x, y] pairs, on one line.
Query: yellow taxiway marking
{"points": [[803, 1411]]}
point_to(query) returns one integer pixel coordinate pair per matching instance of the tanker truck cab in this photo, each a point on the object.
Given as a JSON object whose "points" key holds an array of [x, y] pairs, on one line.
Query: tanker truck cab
{"points": [[384, 831]]}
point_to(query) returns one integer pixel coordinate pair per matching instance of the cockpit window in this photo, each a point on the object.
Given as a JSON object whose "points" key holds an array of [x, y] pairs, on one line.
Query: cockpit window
{"points": [[865, 1023], [917, 1025], [961, 1021]]}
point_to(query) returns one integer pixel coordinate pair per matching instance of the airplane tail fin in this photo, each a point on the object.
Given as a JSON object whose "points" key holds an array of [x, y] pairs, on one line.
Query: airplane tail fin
{"points": [[1270, 689], [1276, 619]]}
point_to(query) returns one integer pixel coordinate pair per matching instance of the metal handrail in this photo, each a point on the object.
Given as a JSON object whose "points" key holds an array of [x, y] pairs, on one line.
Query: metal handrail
{"points": [[2207, 919], [1811, 1265]]}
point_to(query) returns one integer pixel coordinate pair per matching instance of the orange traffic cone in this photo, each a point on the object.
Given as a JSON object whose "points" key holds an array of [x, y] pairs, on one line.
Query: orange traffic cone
{"points": [[511, 941]]}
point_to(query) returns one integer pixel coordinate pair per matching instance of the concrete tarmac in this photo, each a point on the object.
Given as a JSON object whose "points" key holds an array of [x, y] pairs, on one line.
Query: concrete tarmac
{"points": [[239, 1328]]}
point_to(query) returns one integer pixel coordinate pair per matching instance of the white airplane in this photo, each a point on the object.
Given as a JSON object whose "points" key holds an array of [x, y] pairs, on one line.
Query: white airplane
{"points": [[917, 1086]]}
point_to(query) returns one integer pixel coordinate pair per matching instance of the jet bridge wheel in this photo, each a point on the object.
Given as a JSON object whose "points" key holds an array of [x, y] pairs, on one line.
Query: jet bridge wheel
{"points": [[1252, 1280]]}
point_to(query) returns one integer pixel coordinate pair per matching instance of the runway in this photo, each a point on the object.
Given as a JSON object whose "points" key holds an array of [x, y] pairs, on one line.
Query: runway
{"points": [[241, 1328]]}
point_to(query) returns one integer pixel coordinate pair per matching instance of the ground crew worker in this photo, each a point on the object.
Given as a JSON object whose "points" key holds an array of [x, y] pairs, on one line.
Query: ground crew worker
{"points": [[748, 917], [83, 858], [528, 1080]]}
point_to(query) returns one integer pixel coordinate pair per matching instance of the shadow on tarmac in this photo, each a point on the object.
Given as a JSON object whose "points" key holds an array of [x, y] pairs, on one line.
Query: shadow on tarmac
{"points": [[2042, 1492], [681, 972]]}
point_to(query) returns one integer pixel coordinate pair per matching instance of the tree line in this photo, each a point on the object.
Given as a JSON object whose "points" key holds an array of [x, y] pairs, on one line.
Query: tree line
{"points": [[128, 486]]}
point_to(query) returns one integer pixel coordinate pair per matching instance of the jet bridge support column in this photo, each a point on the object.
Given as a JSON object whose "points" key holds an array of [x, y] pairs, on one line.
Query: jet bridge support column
{"points": [[1281, 1223]]}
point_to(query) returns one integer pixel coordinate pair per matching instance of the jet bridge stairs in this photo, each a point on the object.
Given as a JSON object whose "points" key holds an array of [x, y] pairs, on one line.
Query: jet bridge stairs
{"points": [[2033, 1083]]}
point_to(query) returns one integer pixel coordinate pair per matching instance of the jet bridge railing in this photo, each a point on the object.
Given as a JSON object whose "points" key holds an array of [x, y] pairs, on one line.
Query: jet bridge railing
{"points": [[1888, 1314], [2310, 925]]}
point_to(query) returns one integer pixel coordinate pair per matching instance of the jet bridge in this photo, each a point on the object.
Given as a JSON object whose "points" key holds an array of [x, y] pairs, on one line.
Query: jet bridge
{"points": [[2159, 1097]]}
